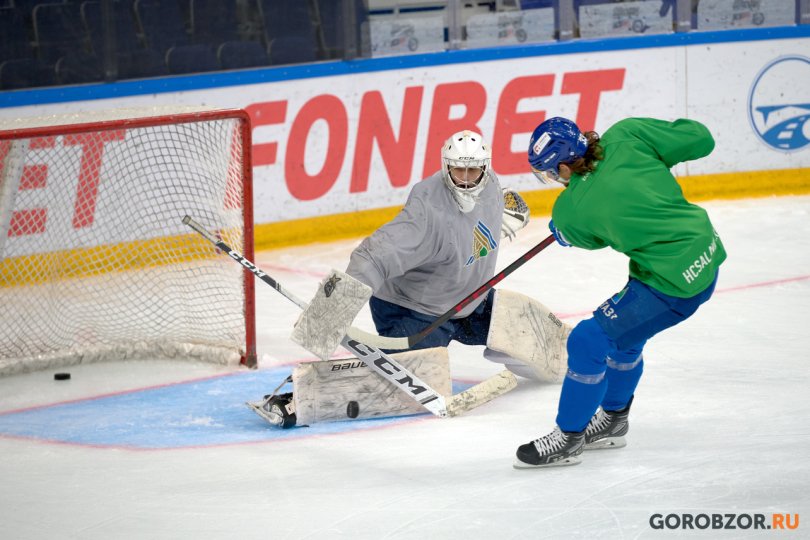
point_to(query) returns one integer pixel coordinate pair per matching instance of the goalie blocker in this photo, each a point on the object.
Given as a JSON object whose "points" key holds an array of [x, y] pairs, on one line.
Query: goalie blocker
{"points": [[326, 320]]}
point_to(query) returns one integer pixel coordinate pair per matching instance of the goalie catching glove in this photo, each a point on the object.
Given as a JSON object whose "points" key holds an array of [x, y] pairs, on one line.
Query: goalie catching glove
{"points": [[515, 214]]}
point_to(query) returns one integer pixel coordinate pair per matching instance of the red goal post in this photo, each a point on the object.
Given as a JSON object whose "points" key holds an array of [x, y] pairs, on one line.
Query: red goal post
{"points": [[95, 262]]}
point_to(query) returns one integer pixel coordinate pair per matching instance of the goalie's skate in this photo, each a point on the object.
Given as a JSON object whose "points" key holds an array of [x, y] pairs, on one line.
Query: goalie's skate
{"points": [[556, 449], [607, 429], [279, 410]]}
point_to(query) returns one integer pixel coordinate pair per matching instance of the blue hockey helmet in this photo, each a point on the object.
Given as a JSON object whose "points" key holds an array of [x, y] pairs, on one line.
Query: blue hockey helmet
{"points": [[557, 140]]}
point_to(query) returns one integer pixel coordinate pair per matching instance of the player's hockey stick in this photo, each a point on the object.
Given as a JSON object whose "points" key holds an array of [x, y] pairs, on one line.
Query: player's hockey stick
{"points": [[385, 366], [400, 343]]}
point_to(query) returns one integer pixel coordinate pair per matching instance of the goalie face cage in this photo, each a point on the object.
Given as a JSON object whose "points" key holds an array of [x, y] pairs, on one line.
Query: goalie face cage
{"points": [[95, 262]]}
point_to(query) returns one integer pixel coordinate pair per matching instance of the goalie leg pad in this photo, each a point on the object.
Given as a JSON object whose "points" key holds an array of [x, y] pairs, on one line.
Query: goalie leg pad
{"points": [[527, 331], [327, 318], [336, 390]]}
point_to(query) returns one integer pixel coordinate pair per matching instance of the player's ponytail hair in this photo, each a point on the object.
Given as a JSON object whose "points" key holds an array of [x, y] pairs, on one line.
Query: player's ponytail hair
{"points": [[594, 153]]}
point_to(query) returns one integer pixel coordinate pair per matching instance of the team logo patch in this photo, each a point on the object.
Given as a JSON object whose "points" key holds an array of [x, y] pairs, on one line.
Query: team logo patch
{"points": [[779, 104], [483, 243], [329, 286], [618, 296]]}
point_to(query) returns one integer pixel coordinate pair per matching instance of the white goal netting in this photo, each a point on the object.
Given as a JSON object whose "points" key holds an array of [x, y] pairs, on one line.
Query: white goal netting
{"points": [[95, 262]]}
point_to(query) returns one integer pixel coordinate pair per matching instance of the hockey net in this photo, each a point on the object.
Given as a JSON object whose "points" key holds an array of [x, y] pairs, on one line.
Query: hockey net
{"points": [[95, 262]]}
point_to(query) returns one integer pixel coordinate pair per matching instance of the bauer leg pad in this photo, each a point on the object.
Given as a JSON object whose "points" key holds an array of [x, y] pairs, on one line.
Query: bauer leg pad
{"points": [[325, 321], [347, 389], [524, 329]]}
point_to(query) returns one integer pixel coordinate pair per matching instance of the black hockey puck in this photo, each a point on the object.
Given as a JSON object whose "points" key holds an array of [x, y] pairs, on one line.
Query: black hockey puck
{"points": [[61, 376], [352, 409]]}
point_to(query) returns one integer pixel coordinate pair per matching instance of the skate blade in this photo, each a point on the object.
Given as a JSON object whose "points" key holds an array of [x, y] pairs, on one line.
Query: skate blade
{"points": [[272, 418], [607, 444], [573, 460]]}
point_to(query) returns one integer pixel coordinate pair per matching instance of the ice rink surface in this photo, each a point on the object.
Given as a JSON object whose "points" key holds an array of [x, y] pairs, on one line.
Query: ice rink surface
{"points": [[162, 449]]}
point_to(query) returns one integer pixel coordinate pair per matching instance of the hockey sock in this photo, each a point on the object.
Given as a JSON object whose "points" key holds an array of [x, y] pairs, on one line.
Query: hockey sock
{"points": [[624, 370], [585, 383], [578, 403]]}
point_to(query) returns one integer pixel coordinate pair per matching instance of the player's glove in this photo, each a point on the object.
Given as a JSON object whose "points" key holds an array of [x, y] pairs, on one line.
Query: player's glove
{"points": [[515, 214], [558, 235]]}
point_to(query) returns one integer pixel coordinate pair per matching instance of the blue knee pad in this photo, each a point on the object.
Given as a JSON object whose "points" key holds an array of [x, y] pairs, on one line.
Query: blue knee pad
{"points": [[588, 349]]}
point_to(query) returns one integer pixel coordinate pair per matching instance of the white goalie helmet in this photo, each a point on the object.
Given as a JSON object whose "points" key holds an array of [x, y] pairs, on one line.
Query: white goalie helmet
{"points": [[465, 167]]}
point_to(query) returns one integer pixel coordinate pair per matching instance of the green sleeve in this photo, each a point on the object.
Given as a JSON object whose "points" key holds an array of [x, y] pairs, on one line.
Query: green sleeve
{"points": [[675, 142]]}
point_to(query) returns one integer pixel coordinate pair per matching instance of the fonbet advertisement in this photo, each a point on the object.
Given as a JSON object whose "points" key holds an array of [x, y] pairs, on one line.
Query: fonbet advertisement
{"points": [[330, 145]]}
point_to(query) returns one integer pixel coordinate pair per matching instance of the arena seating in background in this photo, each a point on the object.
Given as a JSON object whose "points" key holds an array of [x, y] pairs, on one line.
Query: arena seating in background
{"points": [[19, 66], [60, 39], [330, 19], [141, 64], [124, 29], [191, 59], [14, 39], [78, 67], [214, 23], [161, 23], [292, 50], [289, 33], [25, 73], [58, 30], [242, 54], [537, 4]]}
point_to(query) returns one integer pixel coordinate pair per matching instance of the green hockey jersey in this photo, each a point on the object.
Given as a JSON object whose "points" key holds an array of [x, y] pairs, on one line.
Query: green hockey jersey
{"points": [[633, 204]]}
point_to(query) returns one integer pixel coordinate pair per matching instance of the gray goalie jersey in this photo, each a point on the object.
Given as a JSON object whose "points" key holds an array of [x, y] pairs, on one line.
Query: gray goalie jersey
{"points": [[431, 256]]}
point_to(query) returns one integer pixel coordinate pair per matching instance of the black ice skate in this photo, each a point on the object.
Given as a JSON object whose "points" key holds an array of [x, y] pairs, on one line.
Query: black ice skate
{"points": [[279, 409], [553, 450], [607, 429]]}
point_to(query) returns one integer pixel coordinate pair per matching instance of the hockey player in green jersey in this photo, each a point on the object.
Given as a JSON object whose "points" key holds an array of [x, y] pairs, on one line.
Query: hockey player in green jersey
{"points": [[621, 194]]}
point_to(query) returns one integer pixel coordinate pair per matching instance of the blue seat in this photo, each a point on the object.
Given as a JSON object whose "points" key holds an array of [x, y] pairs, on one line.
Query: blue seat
{"points": [[292, 50], [537, 4], [141, 64], [191, 59], [242, 54], [332, 25], [213, 21], [58, 30], [25, 73], [285, 18], [126, 36], [14, 40], [288, 31], [26, 7], [161, 23], [78, 67]]}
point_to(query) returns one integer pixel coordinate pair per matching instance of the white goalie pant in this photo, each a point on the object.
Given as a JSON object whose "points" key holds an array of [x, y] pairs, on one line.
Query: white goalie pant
{"points": [[323, 391], [526, 337]]}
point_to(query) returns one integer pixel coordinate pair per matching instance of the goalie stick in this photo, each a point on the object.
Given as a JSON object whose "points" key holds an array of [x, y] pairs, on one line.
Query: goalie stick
{"points": [[401, 343], [385, 366]]}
